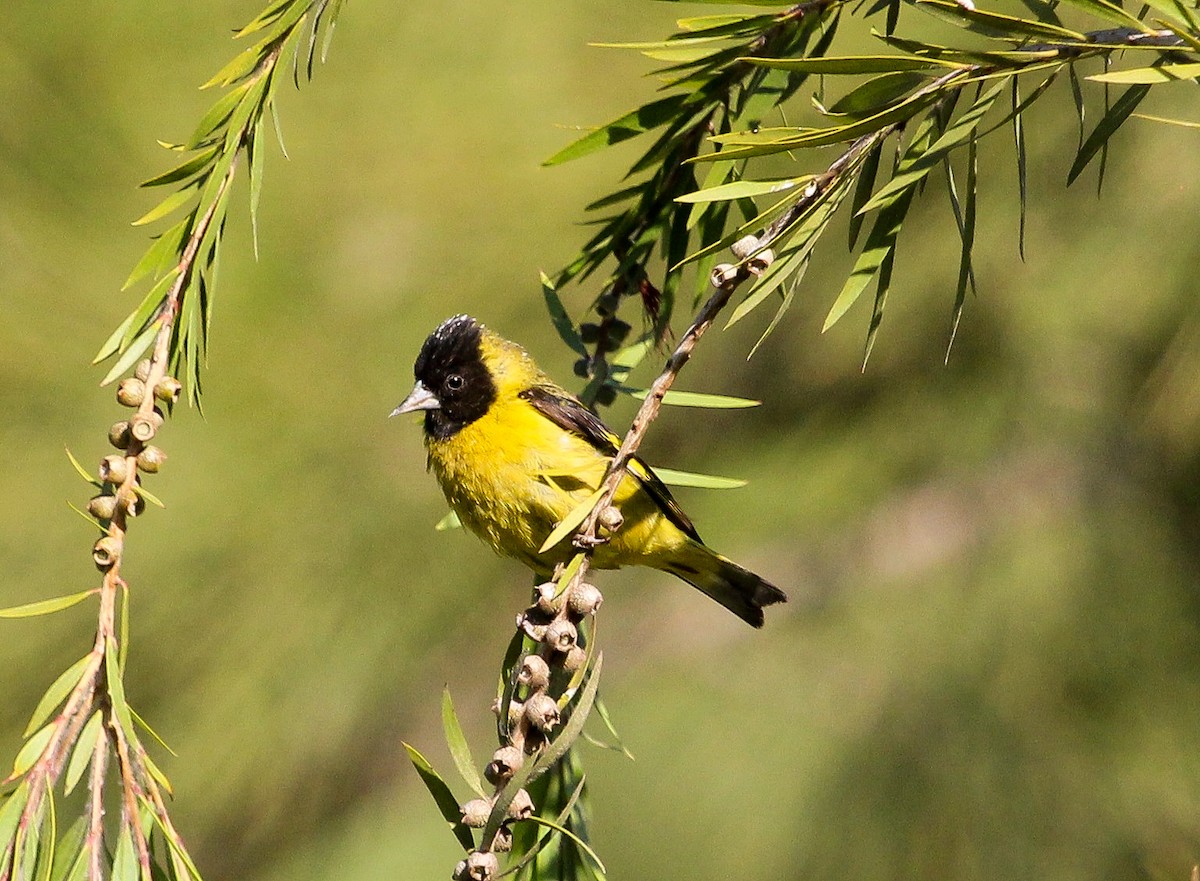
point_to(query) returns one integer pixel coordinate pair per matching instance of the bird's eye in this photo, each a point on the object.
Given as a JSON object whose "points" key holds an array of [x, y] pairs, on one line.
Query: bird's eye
{"points": [[454, 382]]}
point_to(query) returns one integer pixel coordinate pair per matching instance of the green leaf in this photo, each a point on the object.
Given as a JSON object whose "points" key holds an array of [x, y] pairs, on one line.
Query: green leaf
{"points": [[1106, 127], [671, 477], [788, 296], [852, 64], [563, 830], [56, 693], [920, 166], [144, 725], [877, 93], [49, 837], [964, 217], [572, 521], [182, 171], [1180, 122], [70, 850], [32, 750], [560, 319], [116, 688], [125, 861], [10, 814], [568, 734], [693, 399], [159, 777], [1111, 12], [996, 25], [83, 472], [1163, 73], [459, 750], [131, 355], [602, 711], [241, 65], [442, 796], [646, 118], [881, 241], [161, 255], [883, 285], [168, 205], [1018, 122], [82, 753], [450, 521], [741, 189], [47, 607]]}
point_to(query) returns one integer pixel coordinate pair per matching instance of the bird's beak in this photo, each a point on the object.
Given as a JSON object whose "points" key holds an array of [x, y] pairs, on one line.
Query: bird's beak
{"points": [[420, 398]]}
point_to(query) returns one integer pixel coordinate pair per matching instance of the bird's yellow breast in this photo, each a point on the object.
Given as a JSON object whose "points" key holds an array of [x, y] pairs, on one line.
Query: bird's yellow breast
{"points": [[512, 475]]}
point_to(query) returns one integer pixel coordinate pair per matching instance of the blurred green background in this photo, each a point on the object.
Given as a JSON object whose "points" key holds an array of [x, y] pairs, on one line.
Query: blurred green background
{"points": [[989, 665]]}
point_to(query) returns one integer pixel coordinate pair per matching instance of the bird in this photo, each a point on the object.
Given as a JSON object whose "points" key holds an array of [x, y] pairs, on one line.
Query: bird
{"points": [[515, 453]]}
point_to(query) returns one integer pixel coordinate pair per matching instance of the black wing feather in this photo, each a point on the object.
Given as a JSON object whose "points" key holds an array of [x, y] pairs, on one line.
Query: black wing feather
{"points": [[569, 414]]}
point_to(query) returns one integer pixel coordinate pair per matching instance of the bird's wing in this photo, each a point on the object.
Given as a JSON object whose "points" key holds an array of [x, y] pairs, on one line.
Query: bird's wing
{"points": [[569, 414]]}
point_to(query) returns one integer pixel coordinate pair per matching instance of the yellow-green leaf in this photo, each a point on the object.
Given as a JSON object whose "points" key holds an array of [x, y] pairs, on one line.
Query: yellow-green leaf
{"points": [[56, 694], [571, 522], [46, 607]]}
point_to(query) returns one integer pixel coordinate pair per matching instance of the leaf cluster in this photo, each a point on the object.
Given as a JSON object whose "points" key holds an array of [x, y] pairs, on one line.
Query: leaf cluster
{"points": [[182, 261], [732, 83]]}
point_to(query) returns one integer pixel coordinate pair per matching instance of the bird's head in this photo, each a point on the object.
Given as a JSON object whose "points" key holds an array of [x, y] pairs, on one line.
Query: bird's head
{"points": [[454, 386]]}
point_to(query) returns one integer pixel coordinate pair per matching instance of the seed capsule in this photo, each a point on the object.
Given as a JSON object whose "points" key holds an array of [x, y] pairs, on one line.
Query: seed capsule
{"points": [[503, 841], [541, 711], [168, 389], [574, 659], [505, 762], [114, 469], [130, 392], [744, 247], [150, 458], [144, 426], [521, 807], [118, 435], [142, 371], [760, 262], [475, 813], [105, 552], [611, 519], [585, 600], [547, 599], [130, 502], [534, 672], [103, 507], [561, 635], [723, 275], [535, 631], [481, 866]]}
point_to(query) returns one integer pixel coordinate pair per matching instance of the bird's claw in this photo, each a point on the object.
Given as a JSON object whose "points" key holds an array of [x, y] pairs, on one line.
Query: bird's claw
{"points": [[589, 542]]}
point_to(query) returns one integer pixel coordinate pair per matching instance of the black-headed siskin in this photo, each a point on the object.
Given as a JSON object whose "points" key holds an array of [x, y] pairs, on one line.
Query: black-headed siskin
{"points": [[515, 454]]}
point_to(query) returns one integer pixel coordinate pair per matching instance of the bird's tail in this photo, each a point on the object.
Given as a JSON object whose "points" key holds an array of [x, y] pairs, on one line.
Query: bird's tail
{"points": [[737, 589]]}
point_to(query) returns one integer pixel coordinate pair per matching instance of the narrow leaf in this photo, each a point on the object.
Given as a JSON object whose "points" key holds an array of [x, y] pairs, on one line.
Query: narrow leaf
{"points": [[996, 25], [32, 750], [1022, 176], [1163, 73], [56, 694], [568, 734], [694, 399], [82, 754], [1180, 122], [560, 319], [1106, 127], [168, 205], [160, 255], [460, 751], [966, 229], [442, 796], [922, 165], [671, 477], [645, 118], [862, 191], [851, 64], [182, 171], [571, 522], [788, 296], [10, 814], [47, 607], [131, 355], [744, 188], [125, 861], [563, 830], [450, 521]]}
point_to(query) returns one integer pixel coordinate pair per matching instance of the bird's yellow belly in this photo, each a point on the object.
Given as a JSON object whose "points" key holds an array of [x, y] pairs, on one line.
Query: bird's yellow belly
{"points": [[512, 476]]}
